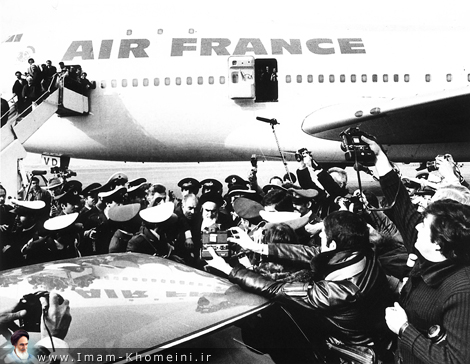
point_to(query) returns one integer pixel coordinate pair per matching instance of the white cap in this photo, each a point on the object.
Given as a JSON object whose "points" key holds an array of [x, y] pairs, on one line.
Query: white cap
{"points": [[159, 213], [60, 222]]}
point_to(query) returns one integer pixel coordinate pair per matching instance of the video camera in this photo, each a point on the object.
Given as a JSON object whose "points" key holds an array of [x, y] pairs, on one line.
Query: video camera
{"points": [[299, 154], [63, 173], [32, 304], [355, 148]]}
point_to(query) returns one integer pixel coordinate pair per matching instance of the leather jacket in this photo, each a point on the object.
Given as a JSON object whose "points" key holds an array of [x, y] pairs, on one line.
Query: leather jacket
{"points": [[349, 290]]}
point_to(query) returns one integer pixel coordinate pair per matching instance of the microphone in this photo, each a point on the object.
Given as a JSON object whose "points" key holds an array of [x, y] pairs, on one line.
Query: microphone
{"points": [[270, 121], [36, 172]]}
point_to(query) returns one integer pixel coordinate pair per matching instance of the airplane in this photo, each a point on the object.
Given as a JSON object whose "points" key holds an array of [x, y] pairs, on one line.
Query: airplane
{"points": [[192, 89]]}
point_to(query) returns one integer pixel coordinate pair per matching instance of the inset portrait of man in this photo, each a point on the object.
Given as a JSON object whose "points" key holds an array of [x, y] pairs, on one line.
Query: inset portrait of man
{"points": [[19, 340]]}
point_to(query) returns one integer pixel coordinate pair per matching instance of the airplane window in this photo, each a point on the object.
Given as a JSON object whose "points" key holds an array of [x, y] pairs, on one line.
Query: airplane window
{"points": [[374, 78], [407, 77], [321, 78], [129, 32], [353, 78], [395, 78], [449, 77], [18, 37], [342, 78], [103, 84], [178, 81], [135, 82], [200, 80], [288, 79], [468, 77], [332, 78], [156, 81], [211, 80], [191, 31], [222, 80], [113, 83], [146, 81], [364, 78], [309, 78], [124, 83], [385, 78], [189, 81], [428, 77], [160, 31], [299, 78], [10, 39], [167, 81]]}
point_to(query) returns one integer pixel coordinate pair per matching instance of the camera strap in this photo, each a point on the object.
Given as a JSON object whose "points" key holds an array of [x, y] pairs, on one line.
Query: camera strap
{"points": [[361, 198]]}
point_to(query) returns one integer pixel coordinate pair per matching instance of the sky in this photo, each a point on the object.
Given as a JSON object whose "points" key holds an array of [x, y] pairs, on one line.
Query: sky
{"points": [[385, 14]]}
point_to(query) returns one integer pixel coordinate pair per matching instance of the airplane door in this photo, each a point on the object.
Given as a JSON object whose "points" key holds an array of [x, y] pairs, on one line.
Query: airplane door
{"points": [[241, 77], [266, 80]]}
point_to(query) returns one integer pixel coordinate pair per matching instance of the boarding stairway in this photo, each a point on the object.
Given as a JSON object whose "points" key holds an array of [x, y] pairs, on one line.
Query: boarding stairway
{"points": [[59, 99]]}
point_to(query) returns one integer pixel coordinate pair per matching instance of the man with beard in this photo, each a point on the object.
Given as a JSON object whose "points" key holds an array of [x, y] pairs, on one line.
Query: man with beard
{"points": [[188, 244]]}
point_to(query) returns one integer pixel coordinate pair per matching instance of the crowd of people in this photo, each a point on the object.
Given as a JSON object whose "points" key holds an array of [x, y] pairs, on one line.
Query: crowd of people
{"points": [[355, 269]]}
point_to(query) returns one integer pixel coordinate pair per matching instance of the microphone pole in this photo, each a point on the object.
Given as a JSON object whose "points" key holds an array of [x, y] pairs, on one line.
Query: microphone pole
{"points": [[274, 122]]}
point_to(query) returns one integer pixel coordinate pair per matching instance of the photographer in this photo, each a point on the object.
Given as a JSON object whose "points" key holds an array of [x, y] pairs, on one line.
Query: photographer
{"points": [[346, 291], [448, 170], [403, 212], [438, 290], [330, 184]]}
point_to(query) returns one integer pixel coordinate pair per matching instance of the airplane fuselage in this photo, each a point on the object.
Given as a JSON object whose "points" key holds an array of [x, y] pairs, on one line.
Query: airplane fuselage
{"points": [[166, 95]]}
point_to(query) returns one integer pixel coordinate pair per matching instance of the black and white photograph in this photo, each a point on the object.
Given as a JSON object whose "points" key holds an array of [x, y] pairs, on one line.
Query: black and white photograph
{"points": [[234, 182]]}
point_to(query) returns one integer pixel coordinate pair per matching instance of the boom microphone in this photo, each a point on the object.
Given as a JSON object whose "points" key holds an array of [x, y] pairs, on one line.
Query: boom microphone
{"points": [[270, 121], [36, 172]]}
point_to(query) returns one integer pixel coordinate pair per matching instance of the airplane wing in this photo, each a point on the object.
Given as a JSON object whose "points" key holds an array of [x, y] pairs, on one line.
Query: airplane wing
{"points": [[441, 117]]}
